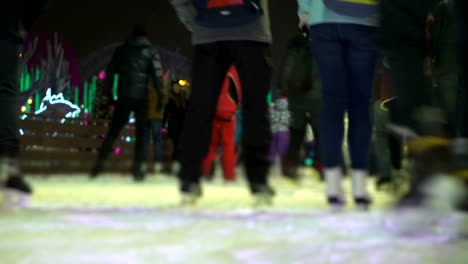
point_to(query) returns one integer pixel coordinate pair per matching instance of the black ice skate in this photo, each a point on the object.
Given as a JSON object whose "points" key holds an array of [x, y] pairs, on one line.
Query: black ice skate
{"points": [[336, 203], [190, 194], [97, 169], [17, 192], [263, 195], [362, 203]]}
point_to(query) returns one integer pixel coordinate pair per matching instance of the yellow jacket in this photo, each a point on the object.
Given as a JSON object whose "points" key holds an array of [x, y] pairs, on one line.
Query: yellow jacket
{"points": [[153, 98]]}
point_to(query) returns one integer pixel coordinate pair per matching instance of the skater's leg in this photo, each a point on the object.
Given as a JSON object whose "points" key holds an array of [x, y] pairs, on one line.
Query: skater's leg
{"points": [[213, 149], [210, 65], [273, 148], [361, 61], [330, 57], [9, 142], [253, 62], [283, 144], [156, 127], [229, 150], [297, 134], [119, 119], [140, 110], [382, 147]]}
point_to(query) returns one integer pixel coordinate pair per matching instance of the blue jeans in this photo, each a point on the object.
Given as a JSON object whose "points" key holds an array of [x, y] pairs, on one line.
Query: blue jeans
{"points": [[346, 59], [153, 131]]}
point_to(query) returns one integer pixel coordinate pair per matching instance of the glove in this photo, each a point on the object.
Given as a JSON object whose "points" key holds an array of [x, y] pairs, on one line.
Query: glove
{"points": [[303, 20]]}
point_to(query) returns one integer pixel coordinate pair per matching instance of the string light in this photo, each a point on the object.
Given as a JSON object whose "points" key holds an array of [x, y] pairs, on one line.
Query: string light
{"points": [[56, 99]]}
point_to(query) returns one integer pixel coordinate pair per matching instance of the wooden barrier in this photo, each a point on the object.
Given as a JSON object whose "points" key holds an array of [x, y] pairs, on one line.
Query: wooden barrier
{"points": [[68, 146]]}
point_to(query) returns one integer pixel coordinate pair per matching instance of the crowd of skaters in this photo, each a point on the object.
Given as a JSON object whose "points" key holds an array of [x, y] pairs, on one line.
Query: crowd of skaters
{"points": [[345, 43]]}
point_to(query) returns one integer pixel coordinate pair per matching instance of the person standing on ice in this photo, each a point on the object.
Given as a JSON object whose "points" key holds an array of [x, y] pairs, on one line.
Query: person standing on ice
{"points": [[226, 33], [341, 36], [16, 19], [136, 63], [224, 127]]}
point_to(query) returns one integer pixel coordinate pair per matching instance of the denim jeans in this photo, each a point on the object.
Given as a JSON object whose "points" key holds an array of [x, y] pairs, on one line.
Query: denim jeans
{"points": [[346, 59], [153, 134]]}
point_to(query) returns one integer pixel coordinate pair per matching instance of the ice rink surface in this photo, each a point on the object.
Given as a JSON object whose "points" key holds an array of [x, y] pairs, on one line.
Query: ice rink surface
{"points": [[112, 220]]}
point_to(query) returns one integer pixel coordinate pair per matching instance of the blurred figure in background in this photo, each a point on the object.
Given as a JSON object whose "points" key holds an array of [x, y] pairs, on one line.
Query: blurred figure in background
{"points": [[226, 33], [154, 125], [137, 63], [280, 123], [342, 42], [174, 116], [300, 83], [224, 127], [403, 37], [16, 19]]}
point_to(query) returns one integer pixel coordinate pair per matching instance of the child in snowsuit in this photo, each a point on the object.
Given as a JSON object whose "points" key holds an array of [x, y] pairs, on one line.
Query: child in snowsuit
{"points": [[224, 127], [280, 122]]}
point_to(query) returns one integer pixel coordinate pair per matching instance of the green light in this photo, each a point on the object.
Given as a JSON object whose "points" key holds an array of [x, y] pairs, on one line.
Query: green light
{"points": [[92, 93], [38, 74], [115, 86], [77, 96], [85, 97], [37, 101], [269, 98], [27, 81], [22, 82], [309, 162]]}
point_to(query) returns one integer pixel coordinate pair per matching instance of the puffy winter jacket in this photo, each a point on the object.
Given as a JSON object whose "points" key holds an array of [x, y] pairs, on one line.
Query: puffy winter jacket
{"points": [[17, 17], [136, 62]]}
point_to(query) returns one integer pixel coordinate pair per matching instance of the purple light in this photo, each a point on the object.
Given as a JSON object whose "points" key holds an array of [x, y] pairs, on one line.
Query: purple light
{"points": [[102, 75], [117, 151]]}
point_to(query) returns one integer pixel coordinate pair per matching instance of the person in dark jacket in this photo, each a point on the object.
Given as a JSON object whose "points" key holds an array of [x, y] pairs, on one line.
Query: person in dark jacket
{"points": [[300, 83], [216, 48], [137, 63], [174, 117], [16, 18], [402, 36]]}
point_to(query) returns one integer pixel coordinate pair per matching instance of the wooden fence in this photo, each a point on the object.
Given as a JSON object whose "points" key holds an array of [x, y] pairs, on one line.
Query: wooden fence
{"points": [[67, 146]]}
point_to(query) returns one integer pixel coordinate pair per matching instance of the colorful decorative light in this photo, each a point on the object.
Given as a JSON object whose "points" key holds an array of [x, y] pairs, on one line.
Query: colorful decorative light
{"points": [[57, 99], [102, 75]]}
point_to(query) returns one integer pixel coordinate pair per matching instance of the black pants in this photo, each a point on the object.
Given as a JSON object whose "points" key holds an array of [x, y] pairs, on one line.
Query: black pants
{"points": [[9, 89], [402, 38], [303, 116], [210, 65], [119, 120], [462, 31]]}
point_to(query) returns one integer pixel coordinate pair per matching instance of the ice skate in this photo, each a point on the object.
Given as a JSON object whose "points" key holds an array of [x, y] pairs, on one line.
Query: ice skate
{"points": [[361, 196], [190, 194], [263, 195], [336, 203], [17, 193], [335, 196], [15, 199]]}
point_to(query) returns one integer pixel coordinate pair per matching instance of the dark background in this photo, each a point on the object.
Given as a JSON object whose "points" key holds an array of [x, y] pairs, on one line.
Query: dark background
{"points": [[89, 25]]}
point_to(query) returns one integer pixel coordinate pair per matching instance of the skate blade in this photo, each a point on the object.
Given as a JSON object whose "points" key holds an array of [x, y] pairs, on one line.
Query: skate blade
{"points": [[263, 201], [363, 207], [188, 200], [337, 208], [15, 199]]}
